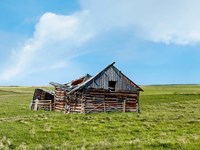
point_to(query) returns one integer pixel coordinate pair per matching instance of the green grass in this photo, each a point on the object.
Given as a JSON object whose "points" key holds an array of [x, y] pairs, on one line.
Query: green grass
{"points": [[169, 119]]}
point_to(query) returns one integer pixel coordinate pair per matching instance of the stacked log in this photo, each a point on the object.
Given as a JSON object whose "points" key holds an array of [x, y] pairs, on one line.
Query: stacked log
{"points": [[60, 99], [97, 100], [76, 107], [76, 103]]}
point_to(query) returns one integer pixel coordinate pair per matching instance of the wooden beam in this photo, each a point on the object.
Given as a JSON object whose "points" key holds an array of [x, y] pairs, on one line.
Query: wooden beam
{"points": [[124, 105]]}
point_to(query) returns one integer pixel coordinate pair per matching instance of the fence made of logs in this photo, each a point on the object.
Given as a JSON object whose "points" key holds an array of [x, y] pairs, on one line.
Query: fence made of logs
{"points": [[42, 105]]}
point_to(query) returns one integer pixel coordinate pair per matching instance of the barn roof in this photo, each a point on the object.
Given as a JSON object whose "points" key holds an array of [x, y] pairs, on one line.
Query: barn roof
{"points": [[73, 84], [87, 82], [63, 86]]}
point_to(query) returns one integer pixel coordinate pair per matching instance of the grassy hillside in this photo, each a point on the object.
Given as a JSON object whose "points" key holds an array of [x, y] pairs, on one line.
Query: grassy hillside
{"points": [[169, 119]]}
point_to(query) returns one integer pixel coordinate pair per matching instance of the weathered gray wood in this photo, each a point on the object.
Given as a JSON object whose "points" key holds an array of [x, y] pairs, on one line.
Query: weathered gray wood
{"points": [[95, 95]]}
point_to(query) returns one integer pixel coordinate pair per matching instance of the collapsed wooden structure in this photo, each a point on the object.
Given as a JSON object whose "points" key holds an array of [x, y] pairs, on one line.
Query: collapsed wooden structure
{"points": [[43, 99], [109, 90]]}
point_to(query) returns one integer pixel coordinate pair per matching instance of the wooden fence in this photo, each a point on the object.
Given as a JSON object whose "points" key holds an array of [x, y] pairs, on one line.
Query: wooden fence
{"points": [[42, 104]]}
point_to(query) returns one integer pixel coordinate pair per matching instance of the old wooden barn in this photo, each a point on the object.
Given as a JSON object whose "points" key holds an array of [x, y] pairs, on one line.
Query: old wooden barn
{"points": [[109, 90]]}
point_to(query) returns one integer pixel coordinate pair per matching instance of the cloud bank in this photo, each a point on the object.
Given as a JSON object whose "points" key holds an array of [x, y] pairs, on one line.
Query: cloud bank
{"points": [[59, 37], [172, 21]]}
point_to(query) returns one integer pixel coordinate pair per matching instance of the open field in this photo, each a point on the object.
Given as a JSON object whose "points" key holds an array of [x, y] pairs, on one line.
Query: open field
{"points": [[169, 119]]}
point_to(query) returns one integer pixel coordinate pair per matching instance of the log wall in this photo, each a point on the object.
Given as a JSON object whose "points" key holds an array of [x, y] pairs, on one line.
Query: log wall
{"points": [[60, 99], [106, 101], [96, 100], [76, 102]]}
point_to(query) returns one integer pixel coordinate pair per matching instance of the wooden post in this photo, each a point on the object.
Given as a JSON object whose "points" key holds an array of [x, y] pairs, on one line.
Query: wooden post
{"points": [[82, 103], [50, 106], [104, 105], [36, 105], [138, 103], [124, 105]]}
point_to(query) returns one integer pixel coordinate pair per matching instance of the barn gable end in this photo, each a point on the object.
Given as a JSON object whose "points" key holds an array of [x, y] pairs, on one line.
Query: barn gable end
{"points": [[101, 81], [112, 79]]}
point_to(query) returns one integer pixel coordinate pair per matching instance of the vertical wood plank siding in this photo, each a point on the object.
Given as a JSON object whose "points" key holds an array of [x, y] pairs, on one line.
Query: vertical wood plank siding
{"points": [[112, 74]]}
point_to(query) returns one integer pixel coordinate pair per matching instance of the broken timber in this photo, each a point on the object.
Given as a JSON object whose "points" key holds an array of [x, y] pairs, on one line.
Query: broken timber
{"points": [[42, 99]]}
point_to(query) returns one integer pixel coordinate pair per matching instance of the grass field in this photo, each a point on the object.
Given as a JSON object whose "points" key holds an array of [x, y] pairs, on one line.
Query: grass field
{"points": [[169, 119]]}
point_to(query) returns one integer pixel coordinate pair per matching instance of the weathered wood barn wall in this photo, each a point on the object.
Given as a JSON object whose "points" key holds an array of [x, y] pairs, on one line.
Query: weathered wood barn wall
{"points": [[109, 90]]}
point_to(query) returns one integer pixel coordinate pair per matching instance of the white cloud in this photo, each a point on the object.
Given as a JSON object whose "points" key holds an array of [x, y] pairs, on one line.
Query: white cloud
{"points": [[172, 21], [56, 36], [53, 35], [52, 27], [20, 61]]}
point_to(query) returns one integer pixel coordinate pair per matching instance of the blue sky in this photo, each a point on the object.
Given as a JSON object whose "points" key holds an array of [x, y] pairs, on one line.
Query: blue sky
{"points": [[152, 42]]}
